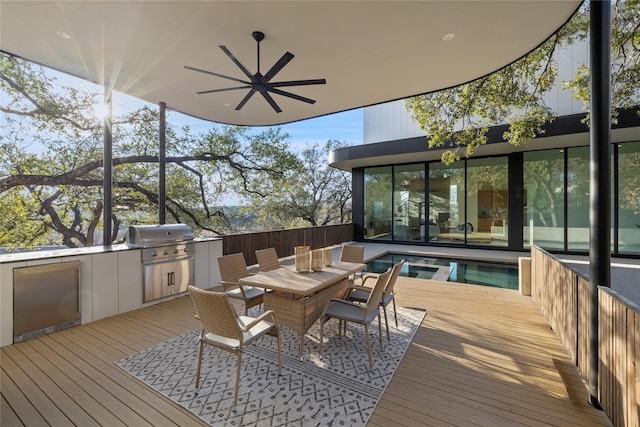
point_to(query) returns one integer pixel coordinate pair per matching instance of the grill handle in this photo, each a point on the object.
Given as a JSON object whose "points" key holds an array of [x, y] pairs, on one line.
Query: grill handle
{"points": [[171, 278]]}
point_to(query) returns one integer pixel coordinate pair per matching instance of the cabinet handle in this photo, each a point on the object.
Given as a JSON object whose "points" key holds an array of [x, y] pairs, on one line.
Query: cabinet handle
{"points": [[171, 278]]}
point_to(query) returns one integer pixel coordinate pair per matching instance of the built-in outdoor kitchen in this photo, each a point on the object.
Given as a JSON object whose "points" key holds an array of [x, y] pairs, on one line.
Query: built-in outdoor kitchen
{"points": [[167, 258], [156, 264]]}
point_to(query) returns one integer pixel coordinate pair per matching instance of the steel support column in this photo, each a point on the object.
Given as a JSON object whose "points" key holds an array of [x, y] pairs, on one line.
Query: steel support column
{"points": [[162, 162], [600, 176], [107, 167]]}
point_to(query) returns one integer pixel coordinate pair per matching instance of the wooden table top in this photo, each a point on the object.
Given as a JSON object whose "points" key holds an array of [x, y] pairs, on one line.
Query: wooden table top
{"points": [[286, 279]]}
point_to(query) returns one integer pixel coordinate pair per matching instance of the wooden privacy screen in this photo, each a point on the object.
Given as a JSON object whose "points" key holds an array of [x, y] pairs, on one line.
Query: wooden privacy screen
{"points": [[285, 240], [562, 295]]}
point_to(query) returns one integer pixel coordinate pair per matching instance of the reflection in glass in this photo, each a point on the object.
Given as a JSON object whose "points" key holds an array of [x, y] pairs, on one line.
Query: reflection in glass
{"points": [[377, 203], [578, 199], [544, 199], [446, 203], [487, 201], [629, 198], [408, 203]]}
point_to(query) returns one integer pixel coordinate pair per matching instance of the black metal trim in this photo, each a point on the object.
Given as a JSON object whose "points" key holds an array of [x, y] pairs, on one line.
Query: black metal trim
{"points": [[600, 175], [564, 125], [162, 165], [107, 167]]}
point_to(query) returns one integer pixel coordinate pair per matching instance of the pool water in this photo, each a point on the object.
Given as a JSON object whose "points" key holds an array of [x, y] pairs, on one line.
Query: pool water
{"points": [[461, 271]]}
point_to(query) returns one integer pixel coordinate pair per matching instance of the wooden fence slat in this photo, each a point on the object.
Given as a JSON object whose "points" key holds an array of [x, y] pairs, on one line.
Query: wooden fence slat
{"points": [[563, 298]]}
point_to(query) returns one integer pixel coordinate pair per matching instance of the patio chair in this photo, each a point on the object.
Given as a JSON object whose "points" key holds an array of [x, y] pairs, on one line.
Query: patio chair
{"points": [[353, 253], [361, 294], [268, 259], [363, 314], [221, 327], [232, 268]]}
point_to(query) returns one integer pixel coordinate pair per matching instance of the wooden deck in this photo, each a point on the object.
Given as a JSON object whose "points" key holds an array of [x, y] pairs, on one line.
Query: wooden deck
{"points": [[482, 356]]}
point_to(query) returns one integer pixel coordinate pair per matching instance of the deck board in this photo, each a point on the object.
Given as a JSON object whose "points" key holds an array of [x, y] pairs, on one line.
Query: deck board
{"points": [[482, 356]]}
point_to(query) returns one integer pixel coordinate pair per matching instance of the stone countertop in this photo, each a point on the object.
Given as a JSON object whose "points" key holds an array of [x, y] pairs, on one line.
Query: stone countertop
{"points": [[57, 253]]}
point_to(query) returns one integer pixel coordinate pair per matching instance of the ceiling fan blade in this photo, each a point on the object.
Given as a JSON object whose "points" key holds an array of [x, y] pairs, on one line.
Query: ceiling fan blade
{"points": [[238, 63], [246, 98], [222, 90], [271, 102], [299, 83], [292, 95], [215, 74], [288, 56]]}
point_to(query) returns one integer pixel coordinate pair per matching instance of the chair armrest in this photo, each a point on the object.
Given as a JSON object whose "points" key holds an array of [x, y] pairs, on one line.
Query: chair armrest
{"points": [[226, 282], [369, 276], [263, 316]]}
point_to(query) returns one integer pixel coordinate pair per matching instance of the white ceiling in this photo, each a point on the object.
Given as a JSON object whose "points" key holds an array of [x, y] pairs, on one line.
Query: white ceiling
{"points": [[368, 51]]}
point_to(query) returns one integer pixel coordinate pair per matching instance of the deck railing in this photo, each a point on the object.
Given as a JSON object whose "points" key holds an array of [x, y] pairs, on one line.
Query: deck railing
{"points": [[285, 240], [562, 294]]}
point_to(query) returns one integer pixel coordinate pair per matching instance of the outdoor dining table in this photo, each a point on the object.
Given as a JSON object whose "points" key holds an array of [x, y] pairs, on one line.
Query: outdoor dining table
{"points": [[298, 298]]}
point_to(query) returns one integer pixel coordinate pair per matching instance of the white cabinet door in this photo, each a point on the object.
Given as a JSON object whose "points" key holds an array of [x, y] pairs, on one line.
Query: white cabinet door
{"points": [[129, 280], [105, 284]]}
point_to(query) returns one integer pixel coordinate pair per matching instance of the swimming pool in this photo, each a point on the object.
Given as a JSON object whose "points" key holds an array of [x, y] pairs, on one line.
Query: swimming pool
{"points": [[461, 271]]}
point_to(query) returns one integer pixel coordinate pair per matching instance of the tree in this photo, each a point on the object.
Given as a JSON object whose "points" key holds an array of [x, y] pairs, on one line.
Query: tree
{"points": [[313, 194], [515, 94], [51, 164]]}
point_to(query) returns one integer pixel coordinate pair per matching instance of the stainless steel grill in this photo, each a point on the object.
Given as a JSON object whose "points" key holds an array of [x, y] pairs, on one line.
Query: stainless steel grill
{"points": [[168, 256]]}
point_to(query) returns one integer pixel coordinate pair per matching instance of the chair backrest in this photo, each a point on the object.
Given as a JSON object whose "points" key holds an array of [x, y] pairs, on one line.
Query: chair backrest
{"points": [[395, 272], [268, 259], [352, 253], [378, 288], [232, 267], [216, 312]]}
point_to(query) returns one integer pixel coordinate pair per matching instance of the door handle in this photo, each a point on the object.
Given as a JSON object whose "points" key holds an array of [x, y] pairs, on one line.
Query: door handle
{"points": [[172, 278]]}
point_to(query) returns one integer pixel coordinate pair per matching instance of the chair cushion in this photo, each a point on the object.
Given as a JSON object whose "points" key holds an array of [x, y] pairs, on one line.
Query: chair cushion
{"points": [[249, 291], [359, 296], [220, 341], [255, 332], [362, 296], [351, 313]]}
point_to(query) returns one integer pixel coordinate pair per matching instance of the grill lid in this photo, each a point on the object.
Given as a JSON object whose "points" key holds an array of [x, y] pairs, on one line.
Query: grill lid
{"points": [[154, 235]]}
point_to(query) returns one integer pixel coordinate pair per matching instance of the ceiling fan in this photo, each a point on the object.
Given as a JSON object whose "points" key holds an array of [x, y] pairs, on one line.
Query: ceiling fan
{"points": [[259, 82]]}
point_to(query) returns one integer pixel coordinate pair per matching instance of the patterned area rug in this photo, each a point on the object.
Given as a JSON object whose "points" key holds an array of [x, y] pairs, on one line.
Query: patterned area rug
{"points": [[337, 390]]}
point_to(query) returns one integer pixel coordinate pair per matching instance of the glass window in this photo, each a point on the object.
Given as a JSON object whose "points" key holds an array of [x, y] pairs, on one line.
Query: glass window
{"points": [[408, 203], [578, 199], [487, 201], [446, 203], [629, 198], [377, 203], [544, 199]]}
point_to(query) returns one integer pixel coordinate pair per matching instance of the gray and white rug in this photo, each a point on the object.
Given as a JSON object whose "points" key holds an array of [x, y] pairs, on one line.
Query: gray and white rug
{"points": [[335, 390]]}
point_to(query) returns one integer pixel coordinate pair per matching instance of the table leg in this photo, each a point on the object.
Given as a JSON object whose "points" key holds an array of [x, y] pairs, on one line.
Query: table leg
{"points": [[301, 346]]}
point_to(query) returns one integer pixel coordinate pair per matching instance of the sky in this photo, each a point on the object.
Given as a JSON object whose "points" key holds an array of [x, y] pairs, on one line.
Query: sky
{"points": [[346, 127]]}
